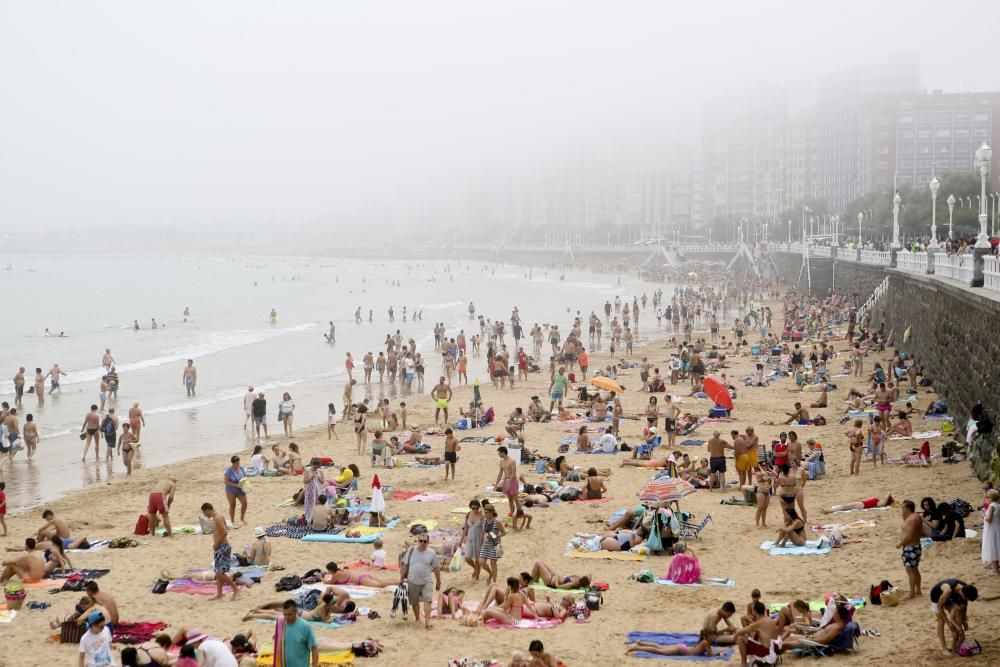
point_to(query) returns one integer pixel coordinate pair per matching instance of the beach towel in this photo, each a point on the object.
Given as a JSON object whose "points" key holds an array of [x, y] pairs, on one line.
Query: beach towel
{"points": [[66, 574], [45, 583], [329, 625], [95, 545], [404, 495], [296, 532], [136, 632], [356, 592], [7, 615], [478, 439], [741, 502], [564, 591], [429, 524], [919, 435], [290, 502], [179, 530], [428, 497], [811, 548], [705, 581], [580, 500], [814, 605], [525, 624], [191, 587], [692, 443], [366, 566], [607, 555], [670, 638], [829, 527], [414, 464], [327, 537], [870, 509], [365, 529]]}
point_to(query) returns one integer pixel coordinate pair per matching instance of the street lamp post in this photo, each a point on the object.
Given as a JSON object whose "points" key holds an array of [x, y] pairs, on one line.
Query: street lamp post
{"points": [[951, 213], [895, 221], [983, 155], [934, 185], [861, 217]]}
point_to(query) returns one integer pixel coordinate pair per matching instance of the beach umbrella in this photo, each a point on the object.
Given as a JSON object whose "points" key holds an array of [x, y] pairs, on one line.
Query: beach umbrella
{"points": [[718, 393], [665, 490], [378, 500], [607, 383]]}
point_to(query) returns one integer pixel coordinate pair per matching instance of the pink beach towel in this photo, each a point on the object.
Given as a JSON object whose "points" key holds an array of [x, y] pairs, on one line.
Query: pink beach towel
{"points": [[684, 569], [429, 498], [525, 624]]}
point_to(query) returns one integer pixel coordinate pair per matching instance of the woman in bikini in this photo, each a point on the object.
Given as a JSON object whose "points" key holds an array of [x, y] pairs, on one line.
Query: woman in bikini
{"points": [[56, 558], [652, 412], [361, 429], [336, 576], [450, 601], [764, 489], [512, 609], [702, 647], [855, 439], [129, 442], [149, 654], [541, 572], [794, 530], [787, 487], [496, 595], [582, 440], [623, 540]]}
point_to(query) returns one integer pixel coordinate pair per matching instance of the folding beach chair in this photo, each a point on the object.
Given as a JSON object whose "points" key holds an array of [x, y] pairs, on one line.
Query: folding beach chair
{"points": [[645, 450], [844, 643], [690, 529]]}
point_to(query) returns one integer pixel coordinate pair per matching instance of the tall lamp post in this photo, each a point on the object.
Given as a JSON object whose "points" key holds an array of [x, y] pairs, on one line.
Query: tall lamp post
{"points": [[895, 221], [983, 155], [951, 213], [934, 185], [861, 217]]}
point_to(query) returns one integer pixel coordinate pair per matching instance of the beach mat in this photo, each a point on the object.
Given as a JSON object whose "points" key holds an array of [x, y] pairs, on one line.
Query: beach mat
{"points": [[265, 657], [365, 566], [606, 555], [429, 498], [136, 632], [811, 548], [563, 591], [191, 587], [326, 537], [692, 442], [670, 638], [705, 581], [296, 532], [525, 624], [45, 583], [7, 615]]}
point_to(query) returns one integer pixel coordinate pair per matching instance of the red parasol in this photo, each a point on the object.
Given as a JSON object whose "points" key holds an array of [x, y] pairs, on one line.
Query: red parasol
{"points": [[718, 393]]}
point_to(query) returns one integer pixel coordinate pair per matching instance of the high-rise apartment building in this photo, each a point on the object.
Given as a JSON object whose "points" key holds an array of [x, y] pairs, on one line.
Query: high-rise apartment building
{"points": [[847, 137], [800, 158]]}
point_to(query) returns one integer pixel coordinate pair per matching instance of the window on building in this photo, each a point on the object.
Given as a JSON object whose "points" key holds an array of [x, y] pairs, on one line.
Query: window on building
{"points": [[906, 164], [962, 164], [923, 134], [945, 148], [882, 165], [905, 119], [961, 118], [883, 180], [923, 164], [925, 119], [906, 134], [924, 148], [961, 133], [981, 117], [942, 118], [905, 149], [981, 133], [942, 164], [883, 135], [942, 134]]}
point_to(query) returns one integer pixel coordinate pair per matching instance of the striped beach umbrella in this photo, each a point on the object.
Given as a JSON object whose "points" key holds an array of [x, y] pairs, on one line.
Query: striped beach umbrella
{"points": [[665, 490]]}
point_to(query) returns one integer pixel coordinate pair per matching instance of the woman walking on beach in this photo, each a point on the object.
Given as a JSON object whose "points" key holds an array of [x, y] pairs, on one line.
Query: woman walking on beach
{"points": [[472, 537], [491, 550], [361, 428], [234, 491], [314, 486], [285, 410], [991, 532]]}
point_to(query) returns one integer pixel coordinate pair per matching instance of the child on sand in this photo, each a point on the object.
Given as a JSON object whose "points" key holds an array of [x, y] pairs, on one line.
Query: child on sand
{"points": [[377, 559], [522, 519], [747, 618]]}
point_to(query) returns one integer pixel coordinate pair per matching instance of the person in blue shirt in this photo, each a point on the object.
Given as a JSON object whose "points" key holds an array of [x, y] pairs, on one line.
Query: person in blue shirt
{"points": [[298, 639]]}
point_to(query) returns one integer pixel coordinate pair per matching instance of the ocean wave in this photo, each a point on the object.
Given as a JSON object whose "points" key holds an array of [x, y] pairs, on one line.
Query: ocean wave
{"points": [[211, 344], [440, 306]]}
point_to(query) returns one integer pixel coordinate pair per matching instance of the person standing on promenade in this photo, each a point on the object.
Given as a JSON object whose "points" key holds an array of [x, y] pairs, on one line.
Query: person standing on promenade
{"points": [[222, 552], [190, 377]]}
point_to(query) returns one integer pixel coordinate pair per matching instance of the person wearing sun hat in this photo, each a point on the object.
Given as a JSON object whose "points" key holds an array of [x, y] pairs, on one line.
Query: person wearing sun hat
{"points": [[258, 553], [213, 653]]}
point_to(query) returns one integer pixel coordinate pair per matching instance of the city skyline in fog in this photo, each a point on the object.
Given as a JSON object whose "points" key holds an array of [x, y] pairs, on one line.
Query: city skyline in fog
{"points": [[121, 113]]}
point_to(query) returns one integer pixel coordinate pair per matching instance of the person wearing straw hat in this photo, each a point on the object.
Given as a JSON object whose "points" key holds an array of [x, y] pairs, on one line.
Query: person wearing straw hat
{"points": [[213, 652]]}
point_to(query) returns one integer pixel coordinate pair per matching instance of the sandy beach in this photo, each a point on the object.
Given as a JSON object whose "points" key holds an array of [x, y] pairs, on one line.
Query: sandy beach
{"points": [[729, 545]]}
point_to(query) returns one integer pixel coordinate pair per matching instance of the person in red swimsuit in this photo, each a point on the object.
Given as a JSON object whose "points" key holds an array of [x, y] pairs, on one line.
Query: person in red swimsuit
{"points": [[866, 504]]}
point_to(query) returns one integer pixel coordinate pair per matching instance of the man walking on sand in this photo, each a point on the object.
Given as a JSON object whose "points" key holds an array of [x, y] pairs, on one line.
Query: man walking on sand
{"points": [[717, 459], [507, 482], [421, 571], [222, 552], [441, 393], [160, 500], [248, 399], [909, 542]]}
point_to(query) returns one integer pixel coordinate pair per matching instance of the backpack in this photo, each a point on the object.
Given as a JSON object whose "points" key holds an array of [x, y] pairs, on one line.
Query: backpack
{"points": [[108, 426], [313, 576], [875, 592], [962, 508], [289, 582], [142, 525], [593, 599]]}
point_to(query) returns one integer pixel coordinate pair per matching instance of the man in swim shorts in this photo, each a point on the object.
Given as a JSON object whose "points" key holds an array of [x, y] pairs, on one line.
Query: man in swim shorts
{"points": [[717, 458], [909, 543], [190, 377], [222, 552], [160, 500], [741, 449], [557, 388], [441, 393], [507, 479]]}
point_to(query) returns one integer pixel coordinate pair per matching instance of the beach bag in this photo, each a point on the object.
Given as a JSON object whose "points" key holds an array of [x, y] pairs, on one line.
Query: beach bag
{"points": [[142, 525], [289, 582], [122, 543], [643, 576], [969, 649], [875, 592], [73, 584], [569, 494], [365, 649], [160, 587], [890, 598], [456, 562], [963, 508], [654, 542], [71, 632], [593, 599]]}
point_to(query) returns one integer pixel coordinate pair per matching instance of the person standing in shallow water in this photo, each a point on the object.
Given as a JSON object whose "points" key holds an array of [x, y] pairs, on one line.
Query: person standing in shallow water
{"points": [[190, 377]]}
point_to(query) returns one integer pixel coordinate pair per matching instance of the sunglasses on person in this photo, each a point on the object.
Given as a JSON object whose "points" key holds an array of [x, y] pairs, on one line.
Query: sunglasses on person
{"points": [[423, 541]]}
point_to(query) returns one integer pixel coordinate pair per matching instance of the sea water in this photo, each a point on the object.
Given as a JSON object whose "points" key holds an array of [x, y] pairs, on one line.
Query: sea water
{"points": [[94, 299]]}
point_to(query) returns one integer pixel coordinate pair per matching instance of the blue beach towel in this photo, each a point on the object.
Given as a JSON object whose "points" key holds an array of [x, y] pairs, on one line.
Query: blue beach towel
{"points": [[668, 638], [326, 537], [692, 443], [811, 548]]}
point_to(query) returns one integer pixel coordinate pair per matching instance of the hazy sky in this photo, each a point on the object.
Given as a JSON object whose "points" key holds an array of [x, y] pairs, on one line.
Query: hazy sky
{"points": [[191, 112]]}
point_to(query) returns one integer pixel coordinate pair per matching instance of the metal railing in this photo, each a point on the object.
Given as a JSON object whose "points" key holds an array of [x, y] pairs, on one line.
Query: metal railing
{"points": [[877, 294], [820, 251], [914, 262], [956, 267], [876, 257], [991, 272]]}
